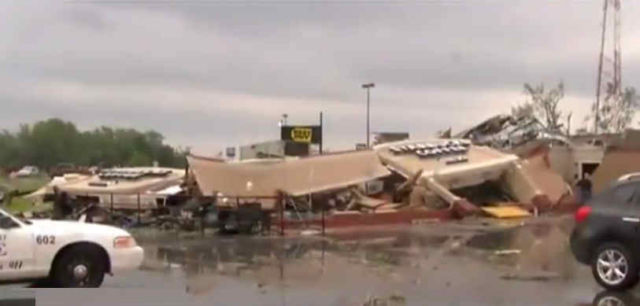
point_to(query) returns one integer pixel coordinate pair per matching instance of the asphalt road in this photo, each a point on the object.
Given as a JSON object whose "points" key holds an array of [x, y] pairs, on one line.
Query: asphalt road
{"points": [[419, 265]]}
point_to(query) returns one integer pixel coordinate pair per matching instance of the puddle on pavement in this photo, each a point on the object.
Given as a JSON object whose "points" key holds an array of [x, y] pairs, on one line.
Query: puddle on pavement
{"points": [[534, 245], [493, 240], [541, 249], [363, 260], [253, 253]]}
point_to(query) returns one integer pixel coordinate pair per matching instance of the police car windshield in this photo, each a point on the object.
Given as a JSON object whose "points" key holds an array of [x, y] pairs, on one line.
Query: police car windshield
{"points": [[23, 220]]}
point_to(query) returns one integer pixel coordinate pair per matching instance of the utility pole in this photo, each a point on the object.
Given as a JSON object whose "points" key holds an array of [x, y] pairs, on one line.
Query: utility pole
{"points": [[321, 137], [596, 122], [283, 121], [614, 85], [368, 87]]}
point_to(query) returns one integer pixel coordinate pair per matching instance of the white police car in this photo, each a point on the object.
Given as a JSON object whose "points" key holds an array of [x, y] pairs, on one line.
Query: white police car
{"points": [[69, 254]]}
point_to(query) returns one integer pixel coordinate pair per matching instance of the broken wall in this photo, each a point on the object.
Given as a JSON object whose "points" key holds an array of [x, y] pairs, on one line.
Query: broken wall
{"points": [[547, 181], [561, 160], [519, 184], [615, 164]]}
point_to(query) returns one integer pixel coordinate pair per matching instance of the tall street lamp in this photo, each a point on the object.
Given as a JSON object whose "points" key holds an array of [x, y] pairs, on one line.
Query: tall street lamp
{"points": [[368, 87], [283, 121]]}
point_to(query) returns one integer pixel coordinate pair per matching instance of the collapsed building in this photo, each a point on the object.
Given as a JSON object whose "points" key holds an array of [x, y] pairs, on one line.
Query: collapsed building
{"points": [[141, 188], [394, 182], [446, 166], [570, 156], [510, 133], [398, 182], [605, 156], [271, 184]]}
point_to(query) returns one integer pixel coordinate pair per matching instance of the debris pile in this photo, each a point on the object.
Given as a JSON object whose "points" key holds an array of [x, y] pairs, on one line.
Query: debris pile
{"points": [[395, 182], [398, 182], [123, 196], [506, 131]]}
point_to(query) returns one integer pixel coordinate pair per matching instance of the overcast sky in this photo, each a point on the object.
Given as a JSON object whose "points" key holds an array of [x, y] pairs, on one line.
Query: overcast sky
{"points": [[208, 74]]}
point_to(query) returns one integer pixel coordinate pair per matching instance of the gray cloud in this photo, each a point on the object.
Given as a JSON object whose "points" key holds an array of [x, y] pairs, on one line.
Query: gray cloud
{"points": [[221, 72]]}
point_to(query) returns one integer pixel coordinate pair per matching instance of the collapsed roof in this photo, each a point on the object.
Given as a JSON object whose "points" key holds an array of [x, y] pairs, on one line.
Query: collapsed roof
{"points": [[508, 132], [293, 176], [455, 163], [441, 165], [116, 181], [120, 188], [126, 181]]}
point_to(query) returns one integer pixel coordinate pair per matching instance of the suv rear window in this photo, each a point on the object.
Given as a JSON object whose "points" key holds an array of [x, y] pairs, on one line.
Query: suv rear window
{"points": [[624, 193], [620, 194]]}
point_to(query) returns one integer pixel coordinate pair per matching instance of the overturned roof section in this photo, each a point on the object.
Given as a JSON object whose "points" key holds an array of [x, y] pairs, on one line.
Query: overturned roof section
{"points": [[295, 177], [467, 167], [490, 126], [519, 135], [125, 181]]}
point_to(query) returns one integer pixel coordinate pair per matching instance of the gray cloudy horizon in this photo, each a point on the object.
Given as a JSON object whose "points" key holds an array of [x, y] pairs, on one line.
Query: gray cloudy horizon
{"points": [[209, 74]]}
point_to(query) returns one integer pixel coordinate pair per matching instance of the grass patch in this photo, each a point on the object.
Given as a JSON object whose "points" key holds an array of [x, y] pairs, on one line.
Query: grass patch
{"points": [[23, 184], [19, 205], [46, 206]]}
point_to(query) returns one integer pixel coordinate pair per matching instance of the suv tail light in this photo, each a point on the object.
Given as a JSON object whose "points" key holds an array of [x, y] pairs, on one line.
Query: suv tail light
{"points": [[582, 213]]}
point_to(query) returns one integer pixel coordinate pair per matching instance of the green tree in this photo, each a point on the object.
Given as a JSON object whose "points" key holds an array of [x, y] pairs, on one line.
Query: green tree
{"points": [[53, 141], [9, 149], [139, 159]]}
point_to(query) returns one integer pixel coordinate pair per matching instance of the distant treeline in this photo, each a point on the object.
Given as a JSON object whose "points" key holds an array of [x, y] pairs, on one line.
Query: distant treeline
{"points": [[53, 142]]}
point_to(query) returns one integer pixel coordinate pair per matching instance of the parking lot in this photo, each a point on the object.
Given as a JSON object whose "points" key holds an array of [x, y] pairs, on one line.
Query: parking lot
{"points": [[469, 263]]}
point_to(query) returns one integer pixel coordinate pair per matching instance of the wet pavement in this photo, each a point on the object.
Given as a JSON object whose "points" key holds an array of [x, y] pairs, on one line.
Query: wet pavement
{"points": [[437, 264]]}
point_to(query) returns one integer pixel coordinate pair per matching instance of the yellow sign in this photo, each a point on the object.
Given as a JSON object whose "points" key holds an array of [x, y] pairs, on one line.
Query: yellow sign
{"points": [[301, 134], [506, 212]]}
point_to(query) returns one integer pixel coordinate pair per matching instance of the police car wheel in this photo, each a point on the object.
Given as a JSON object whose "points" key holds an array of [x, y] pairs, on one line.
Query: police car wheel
{"points": [[81, 266]]}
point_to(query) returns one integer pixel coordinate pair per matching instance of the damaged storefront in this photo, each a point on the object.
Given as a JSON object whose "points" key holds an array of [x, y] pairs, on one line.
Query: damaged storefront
{"points": [[124, 196], [399, 182]]}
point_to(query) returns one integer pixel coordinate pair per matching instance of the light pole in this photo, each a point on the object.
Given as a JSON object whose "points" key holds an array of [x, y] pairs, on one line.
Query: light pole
{"points": [[368, 86], [283, 121]]}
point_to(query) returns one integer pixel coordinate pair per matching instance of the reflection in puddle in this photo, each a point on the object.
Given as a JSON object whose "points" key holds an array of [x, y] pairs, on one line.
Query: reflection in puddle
{"points": [[534, 245], [267, 260], [613, 298], [368, 266]]}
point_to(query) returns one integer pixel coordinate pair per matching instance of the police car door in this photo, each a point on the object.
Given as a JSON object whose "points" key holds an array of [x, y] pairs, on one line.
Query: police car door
{"points": [[16, 249]]}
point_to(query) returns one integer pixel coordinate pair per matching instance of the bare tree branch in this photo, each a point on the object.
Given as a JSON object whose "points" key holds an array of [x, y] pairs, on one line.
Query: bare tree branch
{"points": [[543, 104]]}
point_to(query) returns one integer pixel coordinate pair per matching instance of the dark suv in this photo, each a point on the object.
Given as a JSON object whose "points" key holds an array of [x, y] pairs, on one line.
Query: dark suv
{"points": [[607, 234]]}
